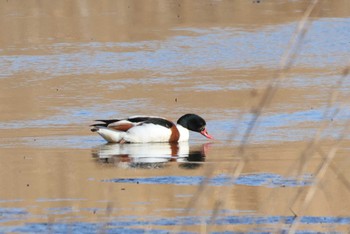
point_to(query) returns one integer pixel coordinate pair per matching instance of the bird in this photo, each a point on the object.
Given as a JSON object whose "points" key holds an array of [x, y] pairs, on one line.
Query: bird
{"points": [[148, 129]]}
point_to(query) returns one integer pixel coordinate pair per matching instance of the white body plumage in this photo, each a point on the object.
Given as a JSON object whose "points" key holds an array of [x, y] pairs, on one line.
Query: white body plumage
{"points": [[143, 129]]}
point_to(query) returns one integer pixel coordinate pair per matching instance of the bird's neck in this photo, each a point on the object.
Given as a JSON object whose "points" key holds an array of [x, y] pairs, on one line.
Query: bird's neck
{"points": [[184, 133]]}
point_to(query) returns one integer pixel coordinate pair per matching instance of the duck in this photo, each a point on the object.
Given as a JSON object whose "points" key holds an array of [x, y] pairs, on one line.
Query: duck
{"points": [[148, 129]]}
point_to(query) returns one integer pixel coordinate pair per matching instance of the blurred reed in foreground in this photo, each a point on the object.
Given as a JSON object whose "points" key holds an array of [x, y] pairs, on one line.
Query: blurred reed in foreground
{"points": [[305, 195]]}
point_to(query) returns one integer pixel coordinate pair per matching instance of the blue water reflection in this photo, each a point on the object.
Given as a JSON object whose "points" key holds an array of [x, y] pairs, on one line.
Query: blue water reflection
{"points": [[226, 48], [255, 179], [135, 224], [287, 127]]}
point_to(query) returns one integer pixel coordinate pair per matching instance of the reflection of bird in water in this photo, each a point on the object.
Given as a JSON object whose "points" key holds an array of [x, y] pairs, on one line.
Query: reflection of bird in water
{"points": [[153, 155], [195, 157], [144, 129]]}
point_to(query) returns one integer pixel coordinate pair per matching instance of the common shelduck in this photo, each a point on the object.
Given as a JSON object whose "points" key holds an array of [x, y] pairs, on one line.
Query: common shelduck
{"points": [[144, 129]]}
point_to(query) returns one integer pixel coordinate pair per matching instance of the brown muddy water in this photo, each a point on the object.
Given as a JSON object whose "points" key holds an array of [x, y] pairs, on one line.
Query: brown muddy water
{"points": [[65, 63]]}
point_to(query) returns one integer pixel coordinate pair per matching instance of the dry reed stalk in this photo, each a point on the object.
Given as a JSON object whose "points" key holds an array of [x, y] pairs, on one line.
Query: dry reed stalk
{"points": [[286, 63], [203, 185], [314, 145], [328, 158], [318, 178], [337, 171], [109, 210]]}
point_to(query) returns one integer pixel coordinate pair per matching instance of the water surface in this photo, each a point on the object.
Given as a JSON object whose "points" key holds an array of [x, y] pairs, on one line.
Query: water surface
{"points": [[64, 64]]}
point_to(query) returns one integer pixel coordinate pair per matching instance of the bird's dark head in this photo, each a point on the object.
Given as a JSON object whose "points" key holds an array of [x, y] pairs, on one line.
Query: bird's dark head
{"points": [[194, 123]]}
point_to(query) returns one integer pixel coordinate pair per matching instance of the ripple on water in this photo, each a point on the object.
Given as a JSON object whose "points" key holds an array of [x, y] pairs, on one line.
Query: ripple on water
{"points": [[227, 48], [258, 179], [137, 224]]}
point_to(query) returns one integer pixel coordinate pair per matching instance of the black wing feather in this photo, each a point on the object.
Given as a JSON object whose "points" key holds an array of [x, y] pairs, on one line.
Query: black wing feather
{"points": [[138, 119], [160, 121], [106, 122]]}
